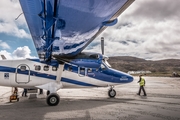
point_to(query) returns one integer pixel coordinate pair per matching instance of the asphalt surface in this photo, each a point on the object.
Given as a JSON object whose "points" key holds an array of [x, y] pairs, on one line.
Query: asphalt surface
{"points": [[162, 103]]}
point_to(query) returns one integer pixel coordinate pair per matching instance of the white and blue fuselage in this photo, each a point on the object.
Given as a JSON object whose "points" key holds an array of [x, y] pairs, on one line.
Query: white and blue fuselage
{"points": [[31, 73]]}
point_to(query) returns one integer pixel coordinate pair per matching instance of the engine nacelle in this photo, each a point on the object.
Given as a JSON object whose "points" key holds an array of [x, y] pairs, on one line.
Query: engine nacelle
{"points": [[88, 60]]}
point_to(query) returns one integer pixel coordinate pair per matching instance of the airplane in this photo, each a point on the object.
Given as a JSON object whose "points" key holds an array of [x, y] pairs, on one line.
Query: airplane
{"points": [[61, 30]]}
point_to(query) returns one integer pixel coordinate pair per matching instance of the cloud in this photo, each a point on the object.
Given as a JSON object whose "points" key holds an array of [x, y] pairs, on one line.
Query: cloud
{"points": [[6, 54], [157, 9], [147, 29], [12, 29], [19, 53], [4, 45], [8, 24], [22, 52]]}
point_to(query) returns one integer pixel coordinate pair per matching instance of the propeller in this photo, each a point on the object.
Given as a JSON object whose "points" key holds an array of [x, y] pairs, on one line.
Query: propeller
{"points": [[102, 45], [105, 58], [102, 49]]}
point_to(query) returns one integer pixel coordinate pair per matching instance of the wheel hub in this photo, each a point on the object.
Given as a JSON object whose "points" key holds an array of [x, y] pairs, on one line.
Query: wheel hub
{"points": [[112, 93], [53, 100]]}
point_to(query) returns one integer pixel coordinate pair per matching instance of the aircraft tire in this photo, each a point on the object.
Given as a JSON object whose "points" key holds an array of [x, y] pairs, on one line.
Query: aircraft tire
{"points": [[53, 99], [112, 93]]}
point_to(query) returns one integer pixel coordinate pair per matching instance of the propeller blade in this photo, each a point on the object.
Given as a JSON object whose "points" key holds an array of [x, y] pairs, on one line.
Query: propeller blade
{"points": [[102, 45]]}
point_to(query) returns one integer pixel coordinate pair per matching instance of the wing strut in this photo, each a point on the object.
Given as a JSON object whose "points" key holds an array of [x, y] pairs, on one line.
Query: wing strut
{"points": [[49, 18]]}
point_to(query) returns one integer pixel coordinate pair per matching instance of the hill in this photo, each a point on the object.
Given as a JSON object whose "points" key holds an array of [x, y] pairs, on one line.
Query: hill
{"points": [[127, 63]]}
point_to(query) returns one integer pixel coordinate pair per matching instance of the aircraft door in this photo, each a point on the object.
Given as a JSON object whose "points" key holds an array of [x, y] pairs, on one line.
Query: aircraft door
{"points": [[22, 74], [104, 70], [82, 71]]}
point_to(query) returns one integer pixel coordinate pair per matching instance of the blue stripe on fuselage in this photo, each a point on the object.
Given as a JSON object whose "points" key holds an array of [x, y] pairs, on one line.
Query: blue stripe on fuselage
{"points": [[44, 75], [32, 73], [109, 75]]}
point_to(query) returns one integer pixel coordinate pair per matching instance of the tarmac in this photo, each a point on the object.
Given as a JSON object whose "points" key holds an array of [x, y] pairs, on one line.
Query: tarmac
{"points": [[161, 103]]}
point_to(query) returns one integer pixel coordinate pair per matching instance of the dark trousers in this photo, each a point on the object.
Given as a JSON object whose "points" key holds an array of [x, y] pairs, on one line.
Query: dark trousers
{"points": [[24, 92], [142, 87]]}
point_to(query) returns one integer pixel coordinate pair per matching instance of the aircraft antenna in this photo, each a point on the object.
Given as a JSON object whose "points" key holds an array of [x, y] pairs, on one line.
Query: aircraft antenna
{"points": [[19, 16]]}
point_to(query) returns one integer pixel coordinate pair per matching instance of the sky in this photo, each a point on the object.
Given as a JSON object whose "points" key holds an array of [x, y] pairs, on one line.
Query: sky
{"points": [[148, 29]]}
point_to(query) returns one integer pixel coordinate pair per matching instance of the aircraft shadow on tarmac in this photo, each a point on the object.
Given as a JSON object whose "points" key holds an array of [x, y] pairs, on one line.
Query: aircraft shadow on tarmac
{"points": [[37, 108]]}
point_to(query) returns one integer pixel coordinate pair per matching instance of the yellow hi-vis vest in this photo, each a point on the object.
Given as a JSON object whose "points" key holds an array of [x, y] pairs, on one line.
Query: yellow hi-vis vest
{"points": [[141, 83]]}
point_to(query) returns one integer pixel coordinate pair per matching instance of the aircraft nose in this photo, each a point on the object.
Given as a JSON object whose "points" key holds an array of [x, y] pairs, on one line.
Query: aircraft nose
{"points": [[130, 78], [122, 77], [125, 77]]}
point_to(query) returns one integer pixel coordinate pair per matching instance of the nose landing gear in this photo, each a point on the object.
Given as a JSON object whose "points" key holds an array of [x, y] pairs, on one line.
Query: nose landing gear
{"points": [[111, 92]]}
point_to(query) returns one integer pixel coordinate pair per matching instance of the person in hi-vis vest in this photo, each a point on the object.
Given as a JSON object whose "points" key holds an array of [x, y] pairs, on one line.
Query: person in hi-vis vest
{"points": [[142, 84]]}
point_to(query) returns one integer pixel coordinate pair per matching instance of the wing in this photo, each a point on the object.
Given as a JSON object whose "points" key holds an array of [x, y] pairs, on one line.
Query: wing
{"points": [[66, 27]]}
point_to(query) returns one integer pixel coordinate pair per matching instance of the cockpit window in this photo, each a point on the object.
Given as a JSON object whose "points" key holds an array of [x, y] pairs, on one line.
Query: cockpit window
{"points": [[70, 68], [89, 69], [103, 67]]}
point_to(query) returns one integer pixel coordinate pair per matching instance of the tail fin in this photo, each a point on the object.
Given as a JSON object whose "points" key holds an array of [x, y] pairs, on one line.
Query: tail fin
{"points": [[3, 57]]}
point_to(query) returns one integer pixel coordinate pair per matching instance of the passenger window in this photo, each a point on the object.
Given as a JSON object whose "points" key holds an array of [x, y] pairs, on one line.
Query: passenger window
{"points": [[103, 67], [23, 68], [70, 68], [82, 69], [46, 68], [54, 68], [89, 69], [38, 67]]}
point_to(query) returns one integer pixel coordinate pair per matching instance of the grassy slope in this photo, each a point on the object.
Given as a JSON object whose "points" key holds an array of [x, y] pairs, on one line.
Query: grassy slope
{"points": [[158, 68]]}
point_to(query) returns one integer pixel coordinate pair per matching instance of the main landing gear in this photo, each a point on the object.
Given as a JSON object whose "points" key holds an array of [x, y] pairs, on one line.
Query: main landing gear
{"points": [[48, 92], [111, 92], [53, 99]]}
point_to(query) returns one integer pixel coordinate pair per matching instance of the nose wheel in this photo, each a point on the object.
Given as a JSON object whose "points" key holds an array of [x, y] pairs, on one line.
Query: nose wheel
{"points": [[112, 93], [53, 99]]}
